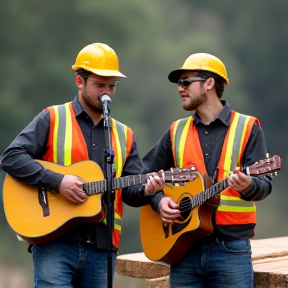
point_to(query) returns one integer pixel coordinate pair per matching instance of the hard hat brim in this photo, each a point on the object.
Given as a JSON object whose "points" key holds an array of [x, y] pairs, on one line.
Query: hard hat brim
{"points": [[175, 75], [100, 72]]}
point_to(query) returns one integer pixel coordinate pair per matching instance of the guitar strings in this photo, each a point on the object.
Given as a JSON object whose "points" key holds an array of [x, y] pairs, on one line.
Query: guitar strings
{"points": [[187, 204]]}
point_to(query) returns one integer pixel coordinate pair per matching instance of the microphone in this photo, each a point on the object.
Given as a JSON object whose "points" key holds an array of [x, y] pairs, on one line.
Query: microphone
{"points": [[106, 100]]}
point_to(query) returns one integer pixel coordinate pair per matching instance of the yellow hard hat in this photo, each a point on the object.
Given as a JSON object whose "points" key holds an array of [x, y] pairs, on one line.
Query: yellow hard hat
{"points": [[99, 59], [201, 61]]}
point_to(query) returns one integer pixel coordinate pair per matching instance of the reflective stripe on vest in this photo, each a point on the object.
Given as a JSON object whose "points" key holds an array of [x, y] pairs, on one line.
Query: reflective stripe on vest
{"points": [[180, 131], [233, 145], [66, 145], [185, 142], [122, 142], [231, 205], [62, 135]]}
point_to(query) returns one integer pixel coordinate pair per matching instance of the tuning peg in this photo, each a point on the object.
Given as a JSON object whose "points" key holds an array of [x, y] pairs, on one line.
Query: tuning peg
{"points": [[190, 168], [274, 174]]}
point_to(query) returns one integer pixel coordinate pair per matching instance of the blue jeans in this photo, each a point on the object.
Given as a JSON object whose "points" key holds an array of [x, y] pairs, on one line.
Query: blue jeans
{"points": [[66, 265], [226, 264]]}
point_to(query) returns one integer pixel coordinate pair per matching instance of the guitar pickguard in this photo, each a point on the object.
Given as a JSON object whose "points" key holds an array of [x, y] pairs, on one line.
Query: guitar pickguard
{"points": [[178, 227], [182, 222]]}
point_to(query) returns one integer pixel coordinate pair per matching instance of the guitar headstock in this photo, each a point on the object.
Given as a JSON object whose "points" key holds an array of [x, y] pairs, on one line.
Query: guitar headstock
{"points": [[269, 166], [177, 174]]}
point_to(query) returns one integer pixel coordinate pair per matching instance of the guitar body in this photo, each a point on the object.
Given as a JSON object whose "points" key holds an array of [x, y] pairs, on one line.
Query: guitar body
{"points": [[26, 216], [169, 243]]}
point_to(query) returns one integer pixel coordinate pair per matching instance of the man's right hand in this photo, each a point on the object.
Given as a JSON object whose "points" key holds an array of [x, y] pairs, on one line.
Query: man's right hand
{"points": [[71, 188], [169, 210]]}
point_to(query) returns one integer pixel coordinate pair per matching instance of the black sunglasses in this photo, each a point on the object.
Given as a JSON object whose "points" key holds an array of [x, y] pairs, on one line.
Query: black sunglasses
{"points": [[184, 83]]}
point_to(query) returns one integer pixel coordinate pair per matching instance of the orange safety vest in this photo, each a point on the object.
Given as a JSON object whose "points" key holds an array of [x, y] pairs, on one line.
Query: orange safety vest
{"points": [[186, 148], [66, 145]]}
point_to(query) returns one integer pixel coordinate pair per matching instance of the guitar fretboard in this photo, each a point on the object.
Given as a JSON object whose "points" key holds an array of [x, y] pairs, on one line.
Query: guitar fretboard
{"points": [[101, 186], [214, 190]]}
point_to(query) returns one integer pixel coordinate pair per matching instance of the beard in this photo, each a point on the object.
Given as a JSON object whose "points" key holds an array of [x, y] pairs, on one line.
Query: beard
{"points": [[194, 103], [92, 103]]}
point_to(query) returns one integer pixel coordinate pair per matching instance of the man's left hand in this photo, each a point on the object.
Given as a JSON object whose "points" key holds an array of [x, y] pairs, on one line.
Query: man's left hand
{"points": [[154, 183]]}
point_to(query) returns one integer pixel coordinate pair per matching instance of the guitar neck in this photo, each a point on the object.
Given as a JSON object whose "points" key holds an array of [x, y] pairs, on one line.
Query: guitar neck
{"points": [[269, 166], [213, 191], [100, 186], [130, 180]]}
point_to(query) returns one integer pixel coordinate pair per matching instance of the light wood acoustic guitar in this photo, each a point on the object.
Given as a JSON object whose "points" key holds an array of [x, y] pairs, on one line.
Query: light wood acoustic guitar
{"points": [[169, 242], [37, 215]]}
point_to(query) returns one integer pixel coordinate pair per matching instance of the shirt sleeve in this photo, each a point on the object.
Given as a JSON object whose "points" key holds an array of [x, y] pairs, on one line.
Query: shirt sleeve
{"points": [[18, 159], [134, 195], [160, 156], [255, 151]]}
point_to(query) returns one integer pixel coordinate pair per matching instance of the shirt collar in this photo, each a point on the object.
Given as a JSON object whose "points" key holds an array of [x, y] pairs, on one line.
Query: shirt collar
{"points": [[79, 109], [77, 106], [224, 115]]}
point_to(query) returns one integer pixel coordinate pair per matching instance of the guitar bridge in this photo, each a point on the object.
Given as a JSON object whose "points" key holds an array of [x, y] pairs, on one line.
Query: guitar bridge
{"points": [[43, 201]]}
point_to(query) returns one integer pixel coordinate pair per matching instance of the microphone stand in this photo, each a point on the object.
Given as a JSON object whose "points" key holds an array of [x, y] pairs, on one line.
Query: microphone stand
{"points": [[109, 159]]}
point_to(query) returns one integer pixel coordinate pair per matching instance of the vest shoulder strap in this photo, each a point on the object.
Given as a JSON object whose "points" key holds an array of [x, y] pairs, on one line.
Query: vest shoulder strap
{"points": [[178, 133], [235, 142]]}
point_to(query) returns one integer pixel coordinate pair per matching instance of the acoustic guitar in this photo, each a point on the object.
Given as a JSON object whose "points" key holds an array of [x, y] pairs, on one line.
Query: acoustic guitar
{"points": [[169, 242], [37, 215]]}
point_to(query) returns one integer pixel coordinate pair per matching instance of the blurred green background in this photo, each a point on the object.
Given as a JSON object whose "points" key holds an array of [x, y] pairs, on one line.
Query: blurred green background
{"points": [[41, 39]]}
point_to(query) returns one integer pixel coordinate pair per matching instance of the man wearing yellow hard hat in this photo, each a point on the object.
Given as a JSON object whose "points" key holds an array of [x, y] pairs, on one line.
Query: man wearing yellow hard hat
{"points": [[206, 230], [70, 231]]}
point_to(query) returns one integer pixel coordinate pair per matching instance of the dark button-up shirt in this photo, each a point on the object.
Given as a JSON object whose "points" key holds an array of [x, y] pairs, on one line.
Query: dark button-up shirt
{"points": [[18, 160], [211, 138]]}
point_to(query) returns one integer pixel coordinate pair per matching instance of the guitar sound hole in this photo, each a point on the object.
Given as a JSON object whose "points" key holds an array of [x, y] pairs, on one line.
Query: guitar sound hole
{"points": [[185, 207]]}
